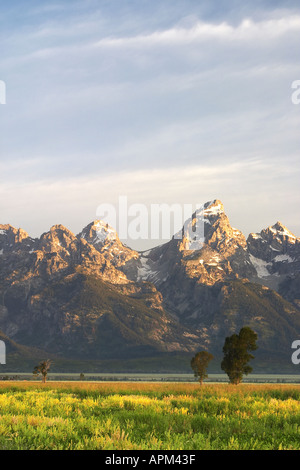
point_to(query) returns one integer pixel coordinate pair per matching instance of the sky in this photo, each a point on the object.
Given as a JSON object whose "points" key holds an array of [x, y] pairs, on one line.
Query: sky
{"points": [[161, 101]]}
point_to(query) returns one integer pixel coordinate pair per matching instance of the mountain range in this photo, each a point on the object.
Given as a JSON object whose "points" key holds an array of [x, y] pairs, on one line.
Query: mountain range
{"points": [[89, 297]]}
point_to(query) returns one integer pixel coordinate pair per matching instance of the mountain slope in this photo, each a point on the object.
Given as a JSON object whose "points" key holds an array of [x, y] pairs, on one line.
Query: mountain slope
{"points": [[68, 297], [92, 297], [227, 282], [83, 317]]}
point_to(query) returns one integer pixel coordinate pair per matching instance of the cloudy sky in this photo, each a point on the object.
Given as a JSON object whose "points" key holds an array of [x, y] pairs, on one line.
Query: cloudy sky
{"points": [[162, 101]]}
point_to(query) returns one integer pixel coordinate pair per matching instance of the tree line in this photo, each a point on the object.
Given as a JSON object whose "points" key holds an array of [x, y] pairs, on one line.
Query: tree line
{"points": [[235, 362]]}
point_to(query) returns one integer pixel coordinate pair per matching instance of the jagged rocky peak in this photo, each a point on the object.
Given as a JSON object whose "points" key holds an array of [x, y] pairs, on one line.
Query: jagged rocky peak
{"points": [[99, 232], [273, 242], [12, 239], [60, 228], [281, 233], [213, 208], [275, 254], [58, 238], [16, 235], [208, 253], [216, 229], [278, 233], [105, 240]]}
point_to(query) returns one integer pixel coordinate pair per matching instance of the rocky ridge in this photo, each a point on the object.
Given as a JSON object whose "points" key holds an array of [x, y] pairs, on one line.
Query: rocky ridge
{"points": [[93, 296]]}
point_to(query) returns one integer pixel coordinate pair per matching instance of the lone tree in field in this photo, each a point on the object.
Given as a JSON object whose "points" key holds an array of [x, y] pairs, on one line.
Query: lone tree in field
{"points": [[236, 354], [199, 364], [43, 369]]}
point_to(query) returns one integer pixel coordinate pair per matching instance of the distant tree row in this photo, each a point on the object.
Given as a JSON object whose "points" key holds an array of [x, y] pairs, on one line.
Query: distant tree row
{"points": [[236, 357], [235, 362]]}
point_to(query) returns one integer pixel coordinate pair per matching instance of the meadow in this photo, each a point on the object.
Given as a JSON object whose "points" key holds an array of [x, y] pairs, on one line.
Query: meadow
{"points": [[148, 416]]}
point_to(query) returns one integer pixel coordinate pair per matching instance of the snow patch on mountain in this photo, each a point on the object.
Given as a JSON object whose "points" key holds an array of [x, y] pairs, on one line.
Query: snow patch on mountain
{"points": [[260, 266], [285, 257], [144, 270]]}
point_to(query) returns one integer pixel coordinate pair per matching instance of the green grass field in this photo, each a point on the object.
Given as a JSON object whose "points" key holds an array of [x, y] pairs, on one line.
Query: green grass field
{"points": [[150, 416]]}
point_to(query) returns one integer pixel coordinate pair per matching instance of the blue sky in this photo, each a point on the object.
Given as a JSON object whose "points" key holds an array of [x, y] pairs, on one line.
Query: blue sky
{"points": [[162, 101]]}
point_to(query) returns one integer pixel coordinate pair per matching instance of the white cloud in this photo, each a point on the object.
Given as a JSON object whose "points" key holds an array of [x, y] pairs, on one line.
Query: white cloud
{"points": [[247, 30]]}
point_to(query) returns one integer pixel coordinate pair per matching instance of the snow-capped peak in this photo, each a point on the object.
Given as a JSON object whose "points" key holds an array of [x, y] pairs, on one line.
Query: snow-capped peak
{"points": [[280, 230], [210, 208], [98, 232], [213, 208], [104, 231]]}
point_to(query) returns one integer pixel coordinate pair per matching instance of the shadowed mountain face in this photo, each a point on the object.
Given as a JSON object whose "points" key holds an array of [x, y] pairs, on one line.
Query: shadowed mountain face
{"points": [[91, 297]]}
